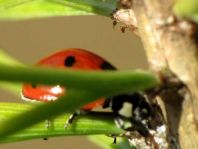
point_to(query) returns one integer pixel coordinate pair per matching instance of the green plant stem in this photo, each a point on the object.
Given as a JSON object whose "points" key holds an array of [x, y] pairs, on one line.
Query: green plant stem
{"points": [[113, 82], [14, 88], [6, 59], [73, 100], [84, 125]]}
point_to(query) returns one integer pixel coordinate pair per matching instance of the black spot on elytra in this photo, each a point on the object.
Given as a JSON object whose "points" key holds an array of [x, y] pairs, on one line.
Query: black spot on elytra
{"points": [[33, 85], [69, 61], [107, 66]]}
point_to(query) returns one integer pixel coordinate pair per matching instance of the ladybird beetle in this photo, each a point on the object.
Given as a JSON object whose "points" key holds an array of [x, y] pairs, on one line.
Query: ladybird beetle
{"points": [[133, 107], [67, 59]]}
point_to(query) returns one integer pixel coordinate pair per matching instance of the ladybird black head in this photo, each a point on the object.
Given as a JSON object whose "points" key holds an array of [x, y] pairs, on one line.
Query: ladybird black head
{"points": [[106, 66], [69, 61], [130, 105]]}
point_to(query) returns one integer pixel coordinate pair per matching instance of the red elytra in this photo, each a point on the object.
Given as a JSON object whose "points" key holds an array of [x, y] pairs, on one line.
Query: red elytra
{"points": [[67, 59]]}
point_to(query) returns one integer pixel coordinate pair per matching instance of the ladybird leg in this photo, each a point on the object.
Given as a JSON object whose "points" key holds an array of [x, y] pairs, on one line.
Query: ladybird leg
{"points": [[132, 125], [137, 126], [140, 127], [114, 140], [114, 137], [47, 123], [119, 122], [73, 116], [70, 119]]}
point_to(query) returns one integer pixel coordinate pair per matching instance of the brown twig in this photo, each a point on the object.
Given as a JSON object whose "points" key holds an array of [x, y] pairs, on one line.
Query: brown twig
{"points": [[171, 46]]}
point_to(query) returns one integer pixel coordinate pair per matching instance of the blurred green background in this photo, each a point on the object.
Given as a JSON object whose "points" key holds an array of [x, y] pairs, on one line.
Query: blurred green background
{"points": [[30, 40]]}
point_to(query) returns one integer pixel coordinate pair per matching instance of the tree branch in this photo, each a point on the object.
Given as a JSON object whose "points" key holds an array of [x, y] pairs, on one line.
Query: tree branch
{"points": [[171, 47]]}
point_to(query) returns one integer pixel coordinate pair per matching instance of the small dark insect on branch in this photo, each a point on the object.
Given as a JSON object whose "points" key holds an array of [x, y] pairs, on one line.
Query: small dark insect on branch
{"points": [[126, 4], [124, 14]]}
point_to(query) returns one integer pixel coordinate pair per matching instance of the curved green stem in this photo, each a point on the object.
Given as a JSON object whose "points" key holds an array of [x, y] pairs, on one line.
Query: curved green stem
{"points": [[27, 9], [23, 120], [100, 7], [103, 82], [6, 59], [85, 125]]}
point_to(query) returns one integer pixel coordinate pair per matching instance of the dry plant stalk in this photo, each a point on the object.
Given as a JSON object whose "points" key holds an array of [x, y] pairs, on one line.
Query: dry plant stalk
{"points": [[171, 45]]}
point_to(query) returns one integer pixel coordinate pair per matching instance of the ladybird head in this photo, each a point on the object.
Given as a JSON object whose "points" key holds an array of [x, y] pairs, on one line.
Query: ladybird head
{"points": [[131, 105]]}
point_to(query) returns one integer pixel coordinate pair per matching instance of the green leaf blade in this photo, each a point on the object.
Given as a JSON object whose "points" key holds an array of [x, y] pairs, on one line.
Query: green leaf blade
{"points": [[186, 8], [6, 59], [26, 9], [84, 125], [103, 82]]}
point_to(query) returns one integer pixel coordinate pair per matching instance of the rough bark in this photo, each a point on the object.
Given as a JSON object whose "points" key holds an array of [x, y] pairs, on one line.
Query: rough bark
{"points": [[171, 47]]}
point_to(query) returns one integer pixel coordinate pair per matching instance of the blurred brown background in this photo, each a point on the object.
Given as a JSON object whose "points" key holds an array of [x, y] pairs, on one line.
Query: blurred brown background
{"points": [[30, 40]]}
